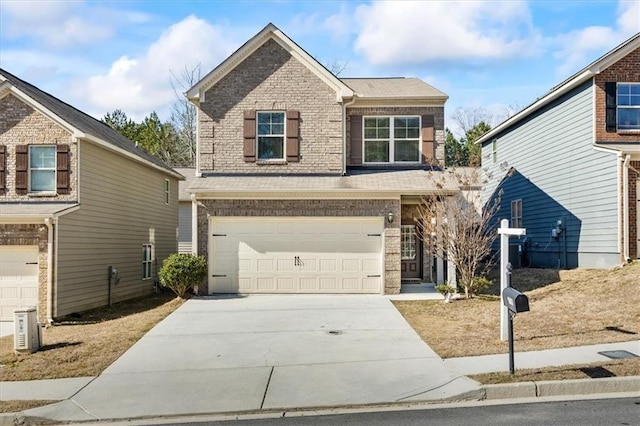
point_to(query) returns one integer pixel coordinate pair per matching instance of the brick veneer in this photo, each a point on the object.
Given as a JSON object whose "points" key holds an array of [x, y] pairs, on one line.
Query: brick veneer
{"points": [[31, 235], [310, 208], [270, 79], [626, 70], [22, 125], [436, 111]]}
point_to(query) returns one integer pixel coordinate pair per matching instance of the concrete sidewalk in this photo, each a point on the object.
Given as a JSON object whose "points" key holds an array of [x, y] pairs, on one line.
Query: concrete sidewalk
{"points": [[282, 353]]}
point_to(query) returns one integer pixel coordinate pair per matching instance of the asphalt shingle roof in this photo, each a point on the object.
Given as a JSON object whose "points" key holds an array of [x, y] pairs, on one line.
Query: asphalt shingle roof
{"points": [[393, 88]]}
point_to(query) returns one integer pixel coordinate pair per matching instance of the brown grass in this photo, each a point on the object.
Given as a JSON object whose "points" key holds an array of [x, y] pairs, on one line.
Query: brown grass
{"points": [[619, 368], [17, 406], [583, 307], [86, 345]]}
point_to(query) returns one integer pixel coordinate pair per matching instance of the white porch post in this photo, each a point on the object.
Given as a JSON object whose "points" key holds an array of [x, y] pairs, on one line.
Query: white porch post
{"points": [[439, 268]]}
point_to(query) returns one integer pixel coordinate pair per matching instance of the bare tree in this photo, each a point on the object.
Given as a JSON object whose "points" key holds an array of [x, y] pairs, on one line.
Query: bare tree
{"points": [[337, 67], [460, 226], [468, 117], [183, 113]]}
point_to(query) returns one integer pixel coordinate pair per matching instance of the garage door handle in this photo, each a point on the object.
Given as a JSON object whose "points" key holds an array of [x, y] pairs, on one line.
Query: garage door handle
{"points": [[31, 263], [374, 235], [373, 276], [218, 276]]}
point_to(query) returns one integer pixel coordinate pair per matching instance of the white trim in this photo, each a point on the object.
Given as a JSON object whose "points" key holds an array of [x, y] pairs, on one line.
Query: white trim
{"points": [[618, 107], [572, 82], [196, 94], [194, 224], [625, 205], [49, 301], [305, 195], [39, 107], [283, 136]]}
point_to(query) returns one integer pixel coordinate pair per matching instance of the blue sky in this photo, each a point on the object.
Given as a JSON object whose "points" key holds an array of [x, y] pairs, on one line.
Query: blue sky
{"points": [[103, 55]]}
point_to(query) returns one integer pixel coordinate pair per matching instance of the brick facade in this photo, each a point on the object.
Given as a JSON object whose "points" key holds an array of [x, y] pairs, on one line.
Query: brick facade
{"points": [[270, 79], [626, 70], [22, 125], [311, 208], [436, 111], [31, 235]]}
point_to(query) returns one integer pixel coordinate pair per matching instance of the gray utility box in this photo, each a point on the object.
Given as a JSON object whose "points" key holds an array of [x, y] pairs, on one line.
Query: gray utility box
{"points": [[26, 334]]}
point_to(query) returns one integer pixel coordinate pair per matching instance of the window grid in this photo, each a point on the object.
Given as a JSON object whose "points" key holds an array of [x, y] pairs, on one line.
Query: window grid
{"points": [[42, 168], [147, 261], [516, 214], [391, 139], [494, 151], [407, 242], [628, 106], [270, 135]]}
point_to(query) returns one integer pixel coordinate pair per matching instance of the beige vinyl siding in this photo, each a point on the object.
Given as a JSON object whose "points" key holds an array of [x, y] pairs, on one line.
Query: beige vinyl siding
{"points": [[184, 227], [122, 203]]}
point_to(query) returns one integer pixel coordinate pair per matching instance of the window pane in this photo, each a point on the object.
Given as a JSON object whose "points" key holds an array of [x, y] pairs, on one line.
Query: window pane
{"points": [[270, 147], [42, 157], [43, 180], [413, 133], [370, 133], [277, 117], [406, 151], [400, 133], [376, 152], [628, 118], [277, 129]]}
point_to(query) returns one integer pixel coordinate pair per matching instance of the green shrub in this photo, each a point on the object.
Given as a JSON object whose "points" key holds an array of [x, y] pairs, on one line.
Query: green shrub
{"points": [[445, 289], [478, 284], [181, 272]]}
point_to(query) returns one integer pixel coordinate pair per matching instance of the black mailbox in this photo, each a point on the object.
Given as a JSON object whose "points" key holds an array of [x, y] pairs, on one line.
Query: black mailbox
{"points": [[514, 300]]}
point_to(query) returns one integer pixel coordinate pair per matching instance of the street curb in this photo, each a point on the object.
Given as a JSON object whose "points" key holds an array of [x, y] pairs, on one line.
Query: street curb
{"points": [[562, 387]]}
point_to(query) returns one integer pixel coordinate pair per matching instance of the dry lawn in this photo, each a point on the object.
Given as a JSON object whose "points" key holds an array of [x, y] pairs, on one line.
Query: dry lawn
{"points": [[582, 307], [88, 343]]}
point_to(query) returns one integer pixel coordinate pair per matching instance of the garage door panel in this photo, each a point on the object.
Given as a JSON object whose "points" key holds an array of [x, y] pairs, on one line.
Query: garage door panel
{"points": [[297, 255], [18, 279]]}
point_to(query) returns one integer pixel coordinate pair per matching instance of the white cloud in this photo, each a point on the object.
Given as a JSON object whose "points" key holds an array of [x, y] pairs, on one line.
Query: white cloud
{"points": [[417, 32], [139, 85], [577, 46]]}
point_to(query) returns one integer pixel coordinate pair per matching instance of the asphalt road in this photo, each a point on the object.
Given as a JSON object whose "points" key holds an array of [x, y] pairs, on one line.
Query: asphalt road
{"points": [[624, 411]]}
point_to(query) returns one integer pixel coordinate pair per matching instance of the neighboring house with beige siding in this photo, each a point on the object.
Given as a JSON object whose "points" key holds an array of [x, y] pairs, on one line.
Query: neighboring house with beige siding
{"points": [[308, 183], [185, 212], [77, 200]]}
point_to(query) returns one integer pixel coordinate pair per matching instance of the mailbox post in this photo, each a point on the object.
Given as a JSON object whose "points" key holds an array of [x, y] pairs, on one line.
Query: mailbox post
{"points": [[505, 232], [515, 302]]}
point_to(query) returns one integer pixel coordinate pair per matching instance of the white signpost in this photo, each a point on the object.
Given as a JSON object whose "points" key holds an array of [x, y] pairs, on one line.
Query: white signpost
{"points": [[505, 232]]}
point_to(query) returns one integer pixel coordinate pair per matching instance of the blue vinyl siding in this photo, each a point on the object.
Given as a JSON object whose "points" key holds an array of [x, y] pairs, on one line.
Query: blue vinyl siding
{"points": [[548, 161]]}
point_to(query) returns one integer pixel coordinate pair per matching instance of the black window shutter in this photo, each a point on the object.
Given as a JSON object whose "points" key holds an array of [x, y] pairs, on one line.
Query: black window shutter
{"points": [[610, 93]]}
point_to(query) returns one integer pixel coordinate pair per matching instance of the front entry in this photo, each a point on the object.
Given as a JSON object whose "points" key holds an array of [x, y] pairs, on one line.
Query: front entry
{"points": [[410, 253], [638, 219]]}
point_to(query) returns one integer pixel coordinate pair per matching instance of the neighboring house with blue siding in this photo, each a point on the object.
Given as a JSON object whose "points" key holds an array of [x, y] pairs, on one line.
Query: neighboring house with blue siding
{"points": [[568, 166]]}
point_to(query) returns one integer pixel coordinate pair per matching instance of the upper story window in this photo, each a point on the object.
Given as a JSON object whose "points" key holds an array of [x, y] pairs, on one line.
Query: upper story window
{"points": [[270, 135], [391, 139], [494, 151], [167, 191], [628, 101], [42, 168]]}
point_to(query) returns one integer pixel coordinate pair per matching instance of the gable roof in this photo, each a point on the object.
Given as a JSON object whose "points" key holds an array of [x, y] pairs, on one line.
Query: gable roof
{"points": [[80, 124], [190, 174], [394, 88], [270, 32], [567, 85]]}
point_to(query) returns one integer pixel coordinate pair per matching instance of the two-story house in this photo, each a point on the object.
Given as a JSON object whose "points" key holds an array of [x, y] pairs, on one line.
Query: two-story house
{"points": [[308, 183], [86, 216], [569, 166]]}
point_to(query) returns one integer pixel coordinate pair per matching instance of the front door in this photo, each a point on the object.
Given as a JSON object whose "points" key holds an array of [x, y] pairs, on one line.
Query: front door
{"points": [[410, 253]]}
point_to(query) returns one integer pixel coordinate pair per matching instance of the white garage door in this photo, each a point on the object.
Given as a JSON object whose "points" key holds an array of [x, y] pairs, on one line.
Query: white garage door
{"points": [[18, 279], [295, 255]]}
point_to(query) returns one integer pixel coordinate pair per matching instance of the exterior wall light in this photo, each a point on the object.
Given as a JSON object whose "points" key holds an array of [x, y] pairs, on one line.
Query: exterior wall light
{"points": [[390, 217]]}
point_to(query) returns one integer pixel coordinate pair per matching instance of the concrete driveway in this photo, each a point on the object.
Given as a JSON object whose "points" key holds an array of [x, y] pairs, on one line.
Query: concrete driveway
{"points": [[268, 352]]}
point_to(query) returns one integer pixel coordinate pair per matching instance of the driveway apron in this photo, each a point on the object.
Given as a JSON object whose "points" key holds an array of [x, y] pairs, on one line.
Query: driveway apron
{"points": [[225, 354]]}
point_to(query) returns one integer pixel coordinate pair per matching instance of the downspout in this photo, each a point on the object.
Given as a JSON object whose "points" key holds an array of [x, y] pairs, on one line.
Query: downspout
{"points": [[625, 206], [344, 133], [48, 222]]}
